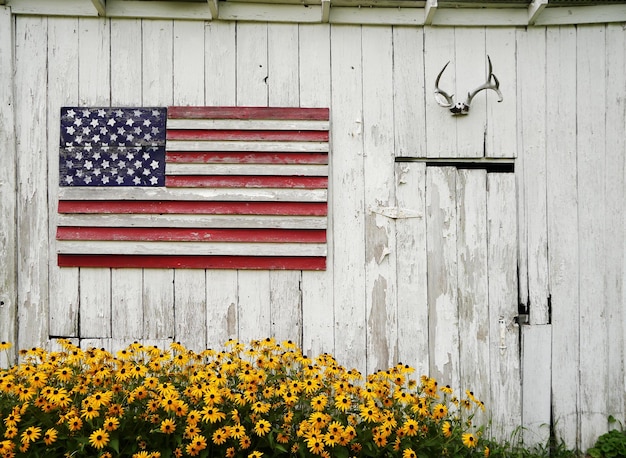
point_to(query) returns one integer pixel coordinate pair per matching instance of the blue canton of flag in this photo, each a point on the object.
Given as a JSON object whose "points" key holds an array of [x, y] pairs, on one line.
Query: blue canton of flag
{"points": [[112, 147]]}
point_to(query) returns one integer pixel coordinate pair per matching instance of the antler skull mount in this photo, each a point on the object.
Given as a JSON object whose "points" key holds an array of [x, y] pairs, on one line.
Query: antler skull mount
{"points": [[462, 108]]}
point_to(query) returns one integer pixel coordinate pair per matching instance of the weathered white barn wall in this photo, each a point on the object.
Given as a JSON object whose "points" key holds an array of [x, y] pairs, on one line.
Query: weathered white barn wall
{"points": [[427, 261]]}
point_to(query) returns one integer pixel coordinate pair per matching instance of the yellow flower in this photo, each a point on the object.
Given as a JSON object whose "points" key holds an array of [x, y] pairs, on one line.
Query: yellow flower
{"points": [[141, 454], [31, 434], [220, 436], [342, 402], [408, 453], [111, 423], [439, 411], [446, 429], [5, 345], [99, 438], [212, 414], [75, 423], [469, 440], [237, 431], [315, 445], [50, 436], [255, 454], [410, 427], [486, 452], [262, 427], [168, 426]]}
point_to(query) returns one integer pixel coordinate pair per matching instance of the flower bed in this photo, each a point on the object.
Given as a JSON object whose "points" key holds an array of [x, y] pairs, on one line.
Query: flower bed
{"points": [[262, 399]]}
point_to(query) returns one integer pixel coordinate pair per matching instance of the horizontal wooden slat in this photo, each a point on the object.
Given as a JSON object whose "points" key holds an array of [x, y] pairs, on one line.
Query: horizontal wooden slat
{"points": [[287, 182], [191, 221], [248, 124], [245, 158], [191, 234], [241, 135], [281, 113], [312, 170], [291, 147], [198, 248], [194, 262], [225, 194], [193, 207]]}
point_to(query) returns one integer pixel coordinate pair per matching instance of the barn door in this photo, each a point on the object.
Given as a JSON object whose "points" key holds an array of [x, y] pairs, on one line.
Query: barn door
{"points": [[468, 268]]}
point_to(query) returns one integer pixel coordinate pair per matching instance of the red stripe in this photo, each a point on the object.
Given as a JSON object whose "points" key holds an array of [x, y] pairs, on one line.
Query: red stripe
{"points": [[250, 135], [271, 113], [191, 235], [190, 181], [193, 262], [183, 157], [191, 207]]}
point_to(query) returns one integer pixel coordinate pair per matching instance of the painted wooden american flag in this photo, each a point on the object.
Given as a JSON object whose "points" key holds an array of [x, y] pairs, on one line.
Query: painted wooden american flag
{"points": [[193, 187]]}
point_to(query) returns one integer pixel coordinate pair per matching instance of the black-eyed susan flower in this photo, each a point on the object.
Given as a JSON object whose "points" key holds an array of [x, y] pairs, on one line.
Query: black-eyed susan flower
{"points": [[446, 429], [50, 436], [469, 440], [111, 423], [262, 427], [99, 438], [408, 453], [168, 426], [30, 434]]}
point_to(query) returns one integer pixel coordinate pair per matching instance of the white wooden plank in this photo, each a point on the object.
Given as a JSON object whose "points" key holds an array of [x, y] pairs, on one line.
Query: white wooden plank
{"points": [[286, 305], [63, 76], [127, 304], [591, 158], [409, 92], [470, 64], [615, 216], [412, 275], [252, 65], [95, 303], [8, 191], [46, 7], [257, 12], [472, 283], [536, 387], [563, 235], [94, 83], [317, 286], [157, 90], [159, 10], [221, 307], [505, 402], [188, 64], [348, 187], [283, 72], [440, 124], [190, 308], [254, 305], [501, 127], [234, 194], [220, 68], [532, 77], [441, 235], [32, 205], [379, 166]]}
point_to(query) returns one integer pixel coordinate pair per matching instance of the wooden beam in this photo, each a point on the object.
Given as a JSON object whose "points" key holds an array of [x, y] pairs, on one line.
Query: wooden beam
{"points": [[429, 11], [213, 7], [325, 11], [159, 10], [100, 6], [54, 7], [535, 9]]}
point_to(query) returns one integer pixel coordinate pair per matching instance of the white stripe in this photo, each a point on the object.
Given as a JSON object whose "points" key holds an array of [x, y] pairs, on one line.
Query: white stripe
{"points": [[234, 145], [226, 194], [193, 221], [195, 248], [245, 124], [314, 170]]}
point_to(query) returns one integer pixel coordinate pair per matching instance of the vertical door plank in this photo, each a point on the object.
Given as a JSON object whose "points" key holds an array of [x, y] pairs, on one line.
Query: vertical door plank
{"points": [[501, 127], [591, 158], [283, 90], [563, 232], [471, 71], [189, 284], [220, 69], [409, 110], [126, 85], [221, 305], [441, 234], [252, 90], [411, 271], [347, 183], [504, 403], [614, 193], [8, 192], [532, 84], [157, 86], [63, 77], [32, 180], [379, 167], [220, 83], [440, 124], [94, 87], [317, 287], [472, 275], [536, 364]]}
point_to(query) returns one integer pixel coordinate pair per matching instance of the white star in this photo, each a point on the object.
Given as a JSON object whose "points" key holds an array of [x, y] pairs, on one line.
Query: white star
{"points": [[130, 155], [96, 155], [146, 122], [87, 179], [95, 138], [97, 172], [88, 165], [86, 113], [69, 164], [146, 172], [102, 113], [69, 179], [94, 123], [105, 179], [71, 113], [137, 181], [105, 164], [145, 156], [153, 180], [78, 122], [154, 165], [113, 137], [130, 172], [88, 147], [119, 180], [114, 156], [119, 113], [130, 121], [137, 164], [130, 137], [79, 139], [79, 155], [70, 130], [111, 122], [121, 164]]}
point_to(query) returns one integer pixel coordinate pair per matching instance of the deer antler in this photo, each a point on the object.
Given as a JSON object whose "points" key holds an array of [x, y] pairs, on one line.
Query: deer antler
{"points": [[486, 85], [463, 107]]}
